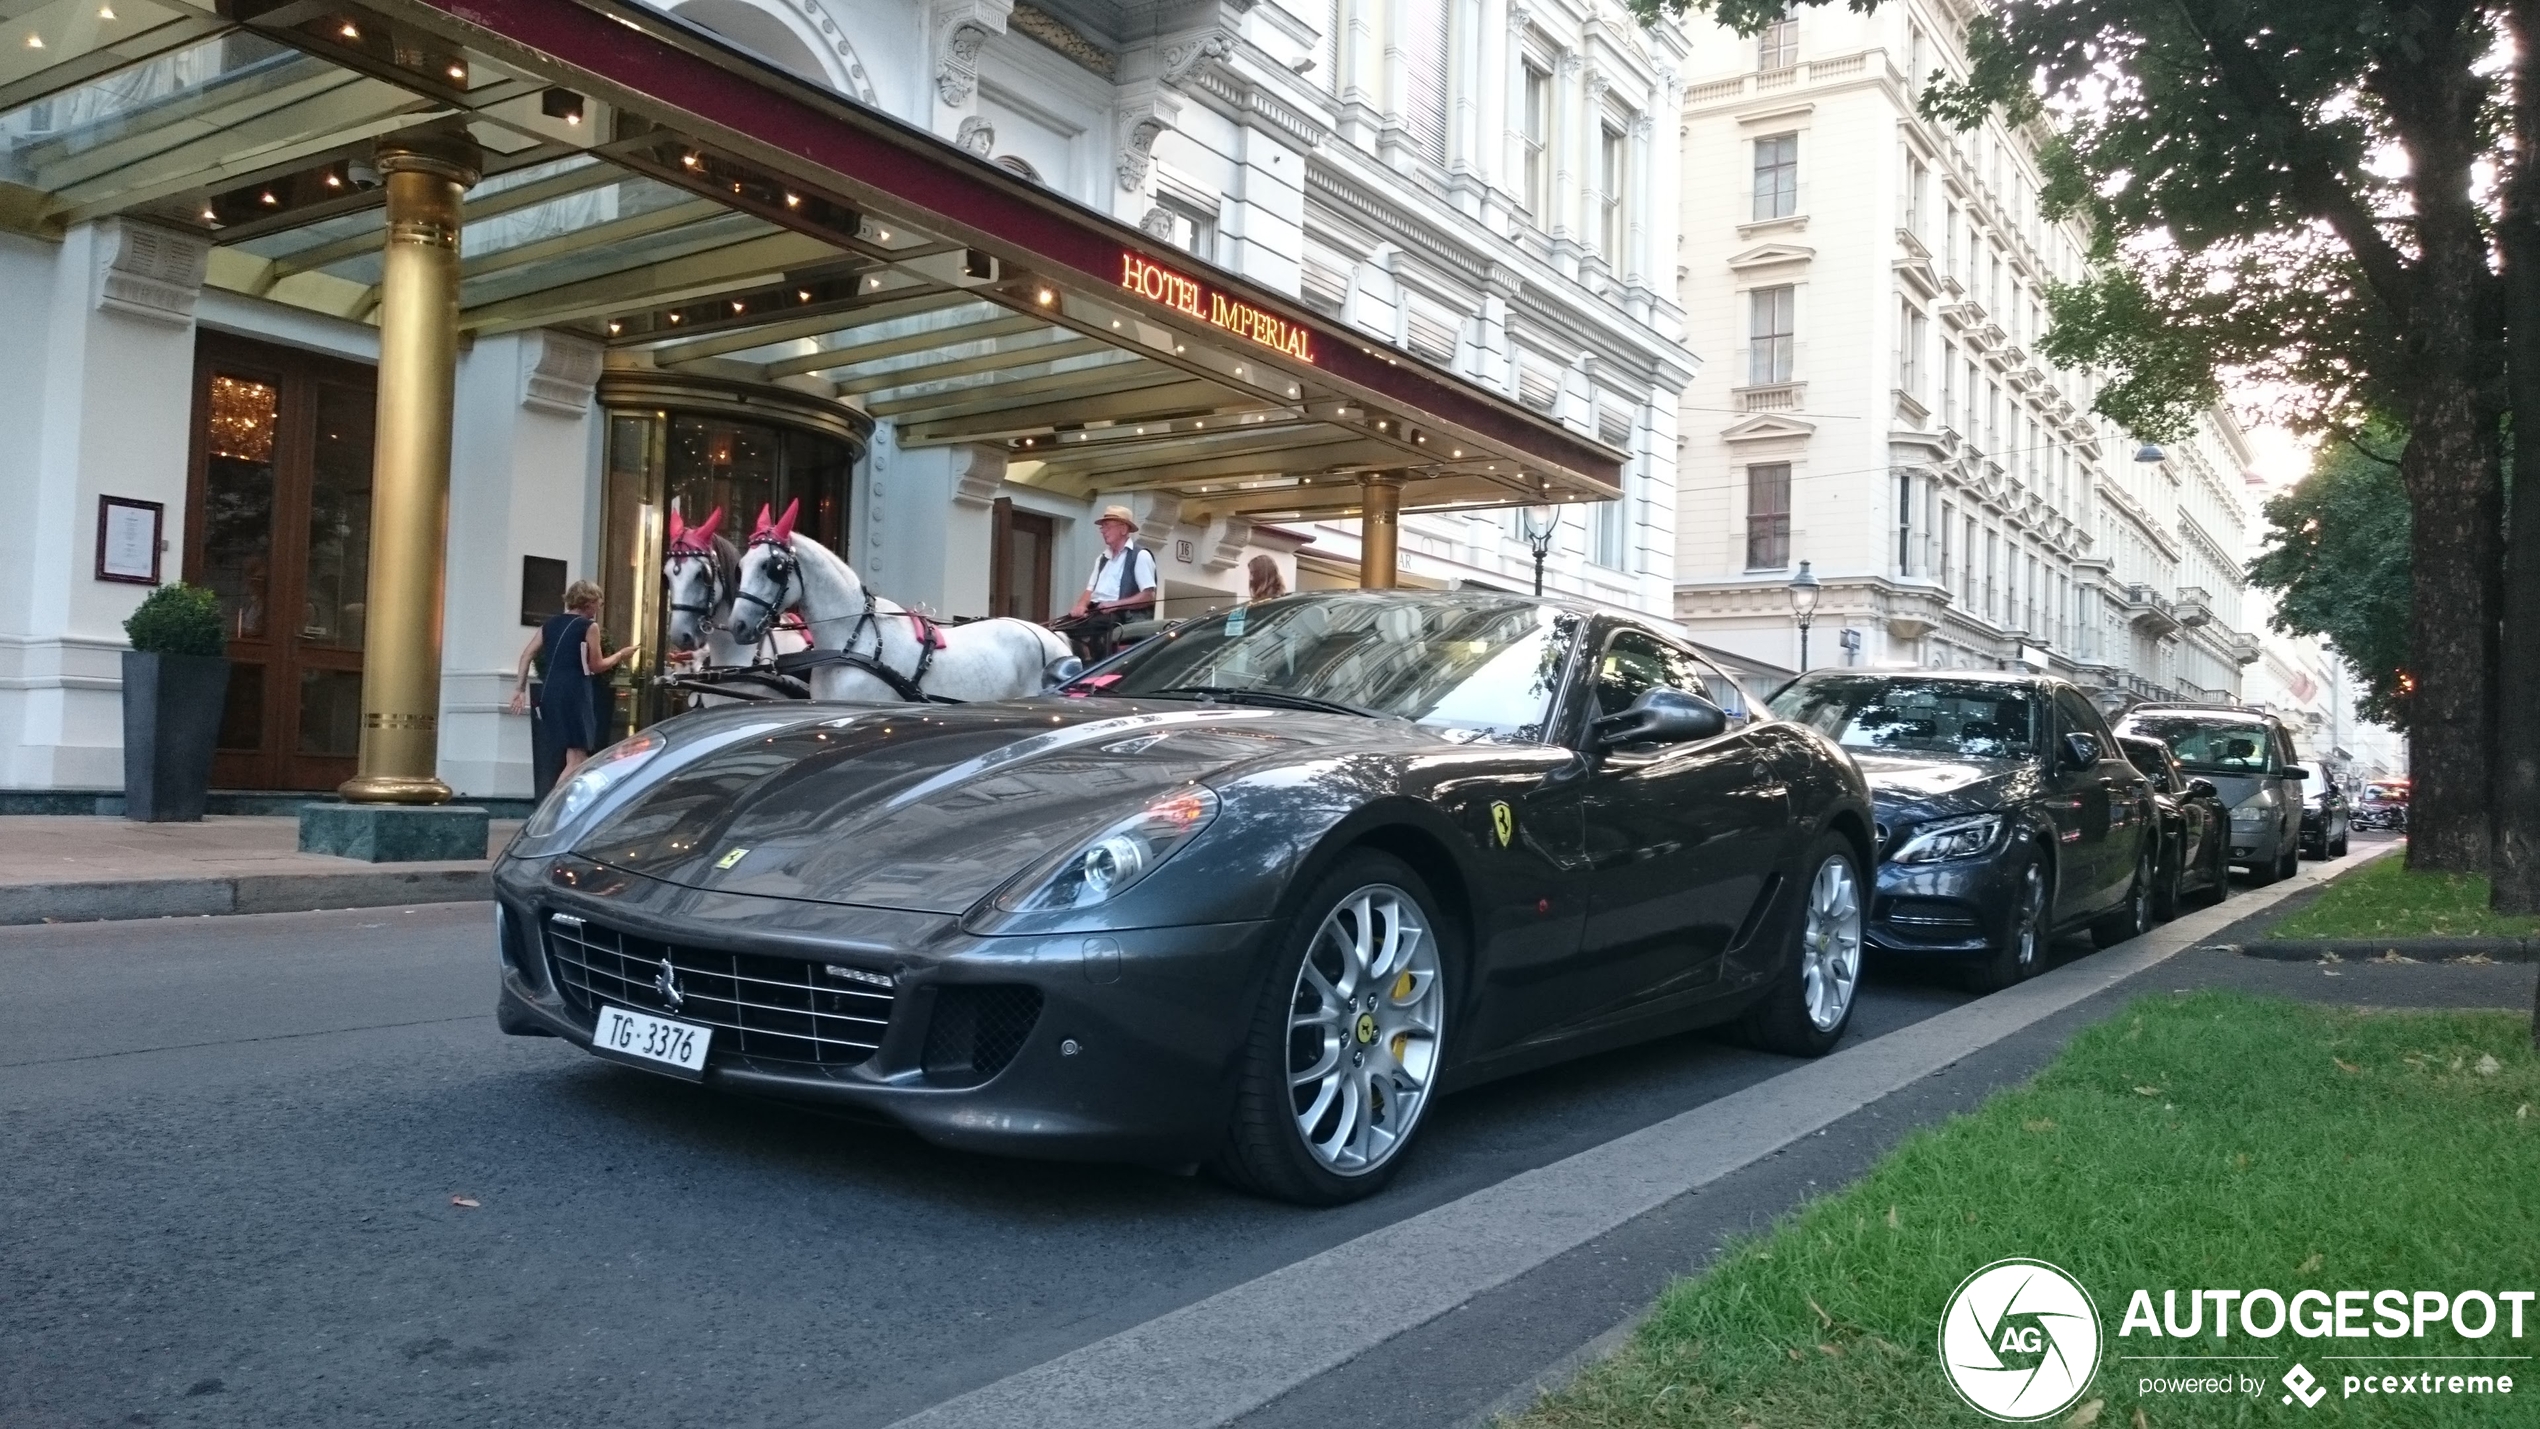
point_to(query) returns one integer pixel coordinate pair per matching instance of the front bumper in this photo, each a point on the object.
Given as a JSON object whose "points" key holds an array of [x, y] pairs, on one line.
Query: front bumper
{"points": [[2258, 847], [1956, 908], [1117, 1047]]}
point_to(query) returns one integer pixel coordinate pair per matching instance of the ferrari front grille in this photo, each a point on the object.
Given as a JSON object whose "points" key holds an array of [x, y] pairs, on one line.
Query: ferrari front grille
{"points": [[763, 1009]]}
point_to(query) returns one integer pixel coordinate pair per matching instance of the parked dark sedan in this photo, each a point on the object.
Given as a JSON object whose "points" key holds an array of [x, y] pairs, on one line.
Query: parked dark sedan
{"points": [[2195, 862], [1252, 894], [2006, 814], [2326, 819]]}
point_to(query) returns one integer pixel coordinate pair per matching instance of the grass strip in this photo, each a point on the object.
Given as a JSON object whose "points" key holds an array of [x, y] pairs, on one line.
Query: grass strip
{"points": [[2384, 899], [2205, 1140]]}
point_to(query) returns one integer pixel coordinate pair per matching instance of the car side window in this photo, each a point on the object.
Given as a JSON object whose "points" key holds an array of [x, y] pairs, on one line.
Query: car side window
{"points": [[2080, 716], [1701, 677], [1633, 665]]}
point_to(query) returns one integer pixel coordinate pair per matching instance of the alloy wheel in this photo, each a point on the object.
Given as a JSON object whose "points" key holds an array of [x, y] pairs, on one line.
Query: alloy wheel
{"points": [[1364, 1024], [2032, 916], [1830, 944]]}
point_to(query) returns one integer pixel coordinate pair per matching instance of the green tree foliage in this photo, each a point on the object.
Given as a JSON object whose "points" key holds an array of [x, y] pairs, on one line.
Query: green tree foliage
{"points": [[2337, 559], [178, 619]]}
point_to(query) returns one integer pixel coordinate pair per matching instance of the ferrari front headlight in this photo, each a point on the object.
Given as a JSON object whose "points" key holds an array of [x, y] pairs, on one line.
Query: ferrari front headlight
{"points": [[1102, 867], [599, 774]]}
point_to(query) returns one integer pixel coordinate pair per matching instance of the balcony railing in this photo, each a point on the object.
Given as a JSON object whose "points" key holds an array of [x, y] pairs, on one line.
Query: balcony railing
{"points": [[2146, 607]]}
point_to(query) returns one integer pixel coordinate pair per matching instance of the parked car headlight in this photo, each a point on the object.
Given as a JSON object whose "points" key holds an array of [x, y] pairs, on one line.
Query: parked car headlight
{"points": [[1102, 867], [2257, 809], [599, 774], [1950, 838]]}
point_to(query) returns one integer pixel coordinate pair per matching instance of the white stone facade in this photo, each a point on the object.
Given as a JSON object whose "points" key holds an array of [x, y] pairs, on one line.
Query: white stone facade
{"points": [[1871, 287], [1482, 184]]}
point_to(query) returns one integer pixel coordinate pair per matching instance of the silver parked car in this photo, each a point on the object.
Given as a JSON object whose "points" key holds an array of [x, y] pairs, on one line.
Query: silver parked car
{"points": [[2248, 755]]}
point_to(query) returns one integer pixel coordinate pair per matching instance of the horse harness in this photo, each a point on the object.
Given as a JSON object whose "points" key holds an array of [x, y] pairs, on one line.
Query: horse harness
{"points": [[801, 663]]}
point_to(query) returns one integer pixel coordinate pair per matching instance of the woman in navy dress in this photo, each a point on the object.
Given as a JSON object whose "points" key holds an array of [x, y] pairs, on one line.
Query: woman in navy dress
{"points": [[569, 700]]}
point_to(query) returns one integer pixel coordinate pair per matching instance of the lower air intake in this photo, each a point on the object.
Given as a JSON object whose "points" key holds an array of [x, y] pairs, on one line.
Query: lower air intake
{"points": [[976, 1030]]}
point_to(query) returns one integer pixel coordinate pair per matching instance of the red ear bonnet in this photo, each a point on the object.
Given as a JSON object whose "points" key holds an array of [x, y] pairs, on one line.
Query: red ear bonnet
{"points": [[678, 528], [764, 524], [702, 536], [785, 523]]}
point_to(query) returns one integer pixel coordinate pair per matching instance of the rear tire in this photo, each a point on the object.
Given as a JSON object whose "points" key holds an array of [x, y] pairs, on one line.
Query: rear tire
{"points": [[2023, 945], [1810, 1002], [2291, 863], [2338, 849], [2135, 918], [1359, 997]]}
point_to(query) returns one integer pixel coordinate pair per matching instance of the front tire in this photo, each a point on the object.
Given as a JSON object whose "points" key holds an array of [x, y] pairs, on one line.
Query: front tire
{"points": [[1810, 1002], [2023, 944], [1344, 1054], [2168, 889], [2135, 918]]}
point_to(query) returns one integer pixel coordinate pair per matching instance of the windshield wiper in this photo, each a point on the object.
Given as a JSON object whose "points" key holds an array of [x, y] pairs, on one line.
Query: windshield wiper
{"points": [[1237, 695]]}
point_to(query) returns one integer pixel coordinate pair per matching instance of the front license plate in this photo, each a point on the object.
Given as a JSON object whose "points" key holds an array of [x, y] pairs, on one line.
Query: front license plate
{"points": [[656, 1044]]}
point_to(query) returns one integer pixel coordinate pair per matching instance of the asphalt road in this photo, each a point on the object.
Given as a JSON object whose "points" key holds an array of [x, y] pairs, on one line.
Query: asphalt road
{"points": [[232, 1146]]}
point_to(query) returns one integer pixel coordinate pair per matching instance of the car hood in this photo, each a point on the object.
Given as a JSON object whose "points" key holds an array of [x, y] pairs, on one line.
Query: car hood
{"points": [[2233, 789], [1910, 790], [930, 809]]}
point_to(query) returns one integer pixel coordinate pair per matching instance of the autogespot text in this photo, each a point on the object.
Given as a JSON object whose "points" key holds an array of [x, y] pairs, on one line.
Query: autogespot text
{"points": [[2462, 1343]]}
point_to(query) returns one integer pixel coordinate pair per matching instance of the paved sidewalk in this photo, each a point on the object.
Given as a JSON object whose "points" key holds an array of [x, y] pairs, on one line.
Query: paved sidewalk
{"points": [[66, 868]]}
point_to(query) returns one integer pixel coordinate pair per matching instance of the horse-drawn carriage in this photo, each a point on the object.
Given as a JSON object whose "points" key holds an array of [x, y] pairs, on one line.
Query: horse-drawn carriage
{"points": [[781, 616]]}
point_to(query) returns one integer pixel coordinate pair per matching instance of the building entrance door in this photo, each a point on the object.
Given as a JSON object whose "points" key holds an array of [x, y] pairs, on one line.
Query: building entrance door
{"points": [[278, 526], [1019, 563]]}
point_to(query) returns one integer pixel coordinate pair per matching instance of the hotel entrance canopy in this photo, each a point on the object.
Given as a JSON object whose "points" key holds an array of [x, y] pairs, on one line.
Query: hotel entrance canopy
{"points": [[699, 211]]}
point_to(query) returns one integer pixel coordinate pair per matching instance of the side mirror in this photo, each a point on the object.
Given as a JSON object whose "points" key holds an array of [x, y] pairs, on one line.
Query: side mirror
{"points": [[2081, 750], [1661, 716], [2202, 789], [2295, 771]]}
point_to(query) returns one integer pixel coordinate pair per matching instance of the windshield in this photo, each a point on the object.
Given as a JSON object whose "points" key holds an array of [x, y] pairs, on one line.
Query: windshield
{"points": [[2209, 745], [1473, 667], [1916, 715]]}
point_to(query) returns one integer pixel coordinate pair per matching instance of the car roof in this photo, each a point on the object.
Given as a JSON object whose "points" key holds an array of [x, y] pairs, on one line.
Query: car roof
{"points": [[1990, 677], [2183, 707]]}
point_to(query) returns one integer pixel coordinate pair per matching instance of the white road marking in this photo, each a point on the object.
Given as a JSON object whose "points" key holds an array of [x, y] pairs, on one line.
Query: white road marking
{"points": [[1213, 1361]]}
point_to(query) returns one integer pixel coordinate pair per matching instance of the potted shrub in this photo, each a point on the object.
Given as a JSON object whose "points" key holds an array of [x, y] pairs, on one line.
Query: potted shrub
{"points": [[175, 686]]}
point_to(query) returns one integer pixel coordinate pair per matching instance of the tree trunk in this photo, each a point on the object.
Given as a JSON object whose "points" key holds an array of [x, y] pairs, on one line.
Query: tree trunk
{"points": [[2450, 465], [2516, 854]]}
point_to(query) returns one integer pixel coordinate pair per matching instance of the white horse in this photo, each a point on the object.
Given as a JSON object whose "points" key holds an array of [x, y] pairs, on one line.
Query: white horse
{"points": [[889, 653], [700, 571]]}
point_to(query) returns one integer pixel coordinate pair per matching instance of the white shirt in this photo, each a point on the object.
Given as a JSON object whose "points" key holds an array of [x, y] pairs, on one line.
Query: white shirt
{"points": [[1133, 568]]}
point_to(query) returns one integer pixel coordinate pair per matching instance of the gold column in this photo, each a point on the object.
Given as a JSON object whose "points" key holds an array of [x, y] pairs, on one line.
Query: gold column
{"points": [[424, 175], [1379, 530]]}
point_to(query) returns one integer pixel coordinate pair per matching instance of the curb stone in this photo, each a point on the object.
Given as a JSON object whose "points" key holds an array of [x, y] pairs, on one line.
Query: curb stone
{"points": [[105, 899], [2423, 950]]}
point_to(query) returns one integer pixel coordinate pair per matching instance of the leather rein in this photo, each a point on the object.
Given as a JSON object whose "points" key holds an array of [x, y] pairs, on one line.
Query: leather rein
{"points": [[785, 566]]}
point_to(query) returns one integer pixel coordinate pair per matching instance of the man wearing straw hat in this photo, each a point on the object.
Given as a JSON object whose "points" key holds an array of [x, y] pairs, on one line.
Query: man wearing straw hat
{"points": [[1121, 589]]}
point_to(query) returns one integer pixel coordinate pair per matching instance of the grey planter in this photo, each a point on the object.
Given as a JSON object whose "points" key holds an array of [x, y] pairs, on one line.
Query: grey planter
{"points": [[172, 708]]}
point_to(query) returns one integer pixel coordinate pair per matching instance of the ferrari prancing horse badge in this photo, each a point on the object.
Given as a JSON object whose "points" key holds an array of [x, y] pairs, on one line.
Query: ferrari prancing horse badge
{"points": [[1503, 821]]}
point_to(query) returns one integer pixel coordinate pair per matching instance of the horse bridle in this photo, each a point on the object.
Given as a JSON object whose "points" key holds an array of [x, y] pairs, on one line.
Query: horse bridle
{"points": [[714, 586], [784, 565]]}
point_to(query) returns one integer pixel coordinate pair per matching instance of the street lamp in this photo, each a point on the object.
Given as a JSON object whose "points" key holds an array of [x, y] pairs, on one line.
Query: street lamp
{"points": [[1542, 522], [2148, 452], [1804, 591]]}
